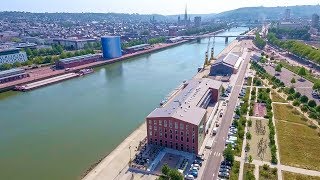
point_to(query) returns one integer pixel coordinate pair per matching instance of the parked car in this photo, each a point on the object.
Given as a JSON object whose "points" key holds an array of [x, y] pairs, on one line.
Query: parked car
{"points": [[189, 177], [198, 162], [236, 116], [194, 174], [226, 170], [224, 174]]}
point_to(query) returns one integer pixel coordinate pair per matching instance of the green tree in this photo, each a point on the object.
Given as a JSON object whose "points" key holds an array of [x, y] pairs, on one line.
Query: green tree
{"points": [[304, 108], [302, 71], [293, 80], [312, 103], [278, 68], [297, 95], [165, 169], [228, 154], [5, 66], [174, 174], [249, 175], [248, 135], [291, 90], [316, 85], [16, 64], [250, 159], [304, 99]]}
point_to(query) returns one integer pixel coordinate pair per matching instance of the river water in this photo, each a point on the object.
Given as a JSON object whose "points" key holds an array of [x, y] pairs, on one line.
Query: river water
{"points": [[58, 131]]}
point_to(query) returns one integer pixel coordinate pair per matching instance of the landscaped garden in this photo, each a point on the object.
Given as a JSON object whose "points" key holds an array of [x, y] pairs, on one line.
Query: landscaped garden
{"points": [[258, 139], [267, 173], [295, 176], [234, 173], [248, 171]]}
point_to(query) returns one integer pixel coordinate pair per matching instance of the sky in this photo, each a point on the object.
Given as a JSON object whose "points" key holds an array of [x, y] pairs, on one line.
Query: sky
{"points": [[165, 7]]}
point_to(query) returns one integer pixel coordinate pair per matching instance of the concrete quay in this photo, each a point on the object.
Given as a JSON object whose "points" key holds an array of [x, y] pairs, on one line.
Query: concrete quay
{"points": [[115, 165]]}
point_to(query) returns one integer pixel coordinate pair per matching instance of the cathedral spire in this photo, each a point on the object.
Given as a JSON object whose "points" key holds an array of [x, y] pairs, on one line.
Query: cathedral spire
{"points": [[186, 13]]}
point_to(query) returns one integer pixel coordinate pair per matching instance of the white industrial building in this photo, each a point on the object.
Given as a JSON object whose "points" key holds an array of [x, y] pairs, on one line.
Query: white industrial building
{"points": [[11, 56]]}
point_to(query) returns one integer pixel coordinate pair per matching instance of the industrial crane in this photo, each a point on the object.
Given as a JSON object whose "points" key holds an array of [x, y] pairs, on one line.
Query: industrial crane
{"points": [[212, 49], [206, 59]]}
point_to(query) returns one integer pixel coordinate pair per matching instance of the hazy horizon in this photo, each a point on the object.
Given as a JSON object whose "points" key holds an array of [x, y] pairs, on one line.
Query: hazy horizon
{"points": [[163, 7]]}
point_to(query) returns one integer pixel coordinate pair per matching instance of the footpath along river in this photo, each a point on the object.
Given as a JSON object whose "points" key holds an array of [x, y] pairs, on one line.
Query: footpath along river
{"points": [[58, 131]]}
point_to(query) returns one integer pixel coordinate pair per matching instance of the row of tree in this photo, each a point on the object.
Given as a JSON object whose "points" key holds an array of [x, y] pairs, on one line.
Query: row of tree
{"points": [[302, 34], [297, 48], [259, 42], [54, 50], [46, 59]]}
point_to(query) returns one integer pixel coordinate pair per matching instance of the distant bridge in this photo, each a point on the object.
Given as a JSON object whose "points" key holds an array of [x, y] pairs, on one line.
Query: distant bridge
{"points": [[213, 35]]}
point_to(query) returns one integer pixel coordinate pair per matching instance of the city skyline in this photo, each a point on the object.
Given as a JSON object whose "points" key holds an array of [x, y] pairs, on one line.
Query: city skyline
{"points": [[164, 7]]}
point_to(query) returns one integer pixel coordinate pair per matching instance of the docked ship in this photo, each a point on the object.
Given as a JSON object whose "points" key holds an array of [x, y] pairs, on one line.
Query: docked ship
{"points": [[83, 72]]}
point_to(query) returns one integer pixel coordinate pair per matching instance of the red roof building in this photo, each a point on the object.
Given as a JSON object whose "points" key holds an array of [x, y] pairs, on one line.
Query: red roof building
{"points": [[180, 122]]}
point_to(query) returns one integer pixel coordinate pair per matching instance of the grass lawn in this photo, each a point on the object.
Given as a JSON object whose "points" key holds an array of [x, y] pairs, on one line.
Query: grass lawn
{"points": [[234, 173], [248, 171], [288, 113], [294, 176], [299, 145], [256, 137], [277, 98]]}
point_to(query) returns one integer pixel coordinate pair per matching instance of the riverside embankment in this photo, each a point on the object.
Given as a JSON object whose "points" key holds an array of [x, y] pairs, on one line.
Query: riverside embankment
{"points": [[58, 131], [114, 166]]}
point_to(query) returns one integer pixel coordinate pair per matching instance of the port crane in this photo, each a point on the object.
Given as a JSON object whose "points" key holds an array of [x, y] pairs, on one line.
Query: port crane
{"points": [[207, 60]]}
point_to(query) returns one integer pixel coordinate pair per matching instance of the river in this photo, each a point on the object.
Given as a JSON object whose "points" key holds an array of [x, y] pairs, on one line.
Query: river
{"points": [[58, 131]]}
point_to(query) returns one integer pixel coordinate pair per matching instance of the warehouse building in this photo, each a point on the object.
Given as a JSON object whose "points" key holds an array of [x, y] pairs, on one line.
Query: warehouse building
{"points": [[137, 48], [226, 65], [11, 56], [12, 75], [180, 123], [77, 61]]}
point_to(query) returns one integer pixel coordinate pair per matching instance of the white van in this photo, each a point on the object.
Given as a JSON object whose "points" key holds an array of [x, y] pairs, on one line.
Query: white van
{"points": [[189, 177]]}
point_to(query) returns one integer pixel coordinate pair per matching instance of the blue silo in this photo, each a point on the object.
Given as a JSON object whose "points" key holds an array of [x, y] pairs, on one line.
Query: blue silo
{"points": [[111, 47]]}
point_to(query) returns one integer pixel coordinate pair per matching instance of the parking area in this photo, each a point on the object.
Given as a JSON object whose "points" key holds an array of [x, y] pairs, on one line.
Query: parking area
{"points": [[302, 85]]}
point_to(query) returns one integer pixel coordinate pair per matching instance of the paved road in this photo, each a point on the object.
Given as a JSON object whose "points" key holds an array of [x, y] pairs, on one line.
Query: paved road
{"points": [[212, 167]]}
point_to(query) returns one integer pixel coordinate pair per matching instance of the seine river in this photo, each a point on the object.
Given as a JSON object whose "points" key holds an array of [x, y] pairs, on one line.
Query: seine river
{"points": [[58, 131]]}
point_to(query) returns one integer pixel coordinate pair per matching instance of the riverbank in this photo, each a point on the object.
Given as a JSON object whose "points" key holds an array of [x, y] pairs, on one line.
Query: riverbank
{"points": [[114, 165], [45, 72]]}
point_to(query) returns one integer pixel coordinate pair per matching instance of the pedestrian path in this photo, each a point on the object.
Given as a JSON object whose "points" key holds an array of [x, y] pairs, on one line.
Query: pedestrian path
{"points": [[281, 168]]}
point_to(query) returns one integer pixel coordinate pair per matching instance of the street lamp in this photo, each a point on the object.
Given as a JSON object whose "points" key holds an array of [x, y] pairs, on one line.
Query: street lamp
{"points": [[130, 152]]}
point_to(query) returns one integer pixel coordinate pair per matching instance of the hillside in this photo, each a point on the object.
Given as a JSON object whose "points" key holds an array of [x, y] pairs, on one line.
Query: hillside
{"points": [[273, 13]]}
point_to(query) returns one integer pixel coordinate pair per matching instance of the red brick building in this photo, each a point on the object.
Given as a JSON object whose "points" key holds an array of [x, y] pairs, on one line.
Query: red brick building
{"points": [[180, 123]]}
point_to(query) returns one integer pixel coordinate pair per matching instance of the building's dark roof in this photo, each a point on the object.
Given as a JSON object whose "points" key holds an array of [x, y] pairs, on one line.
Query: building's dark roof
{"points": [[138, 46], [11, 72], [185, 105], [77, 58], [9, 51]]}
